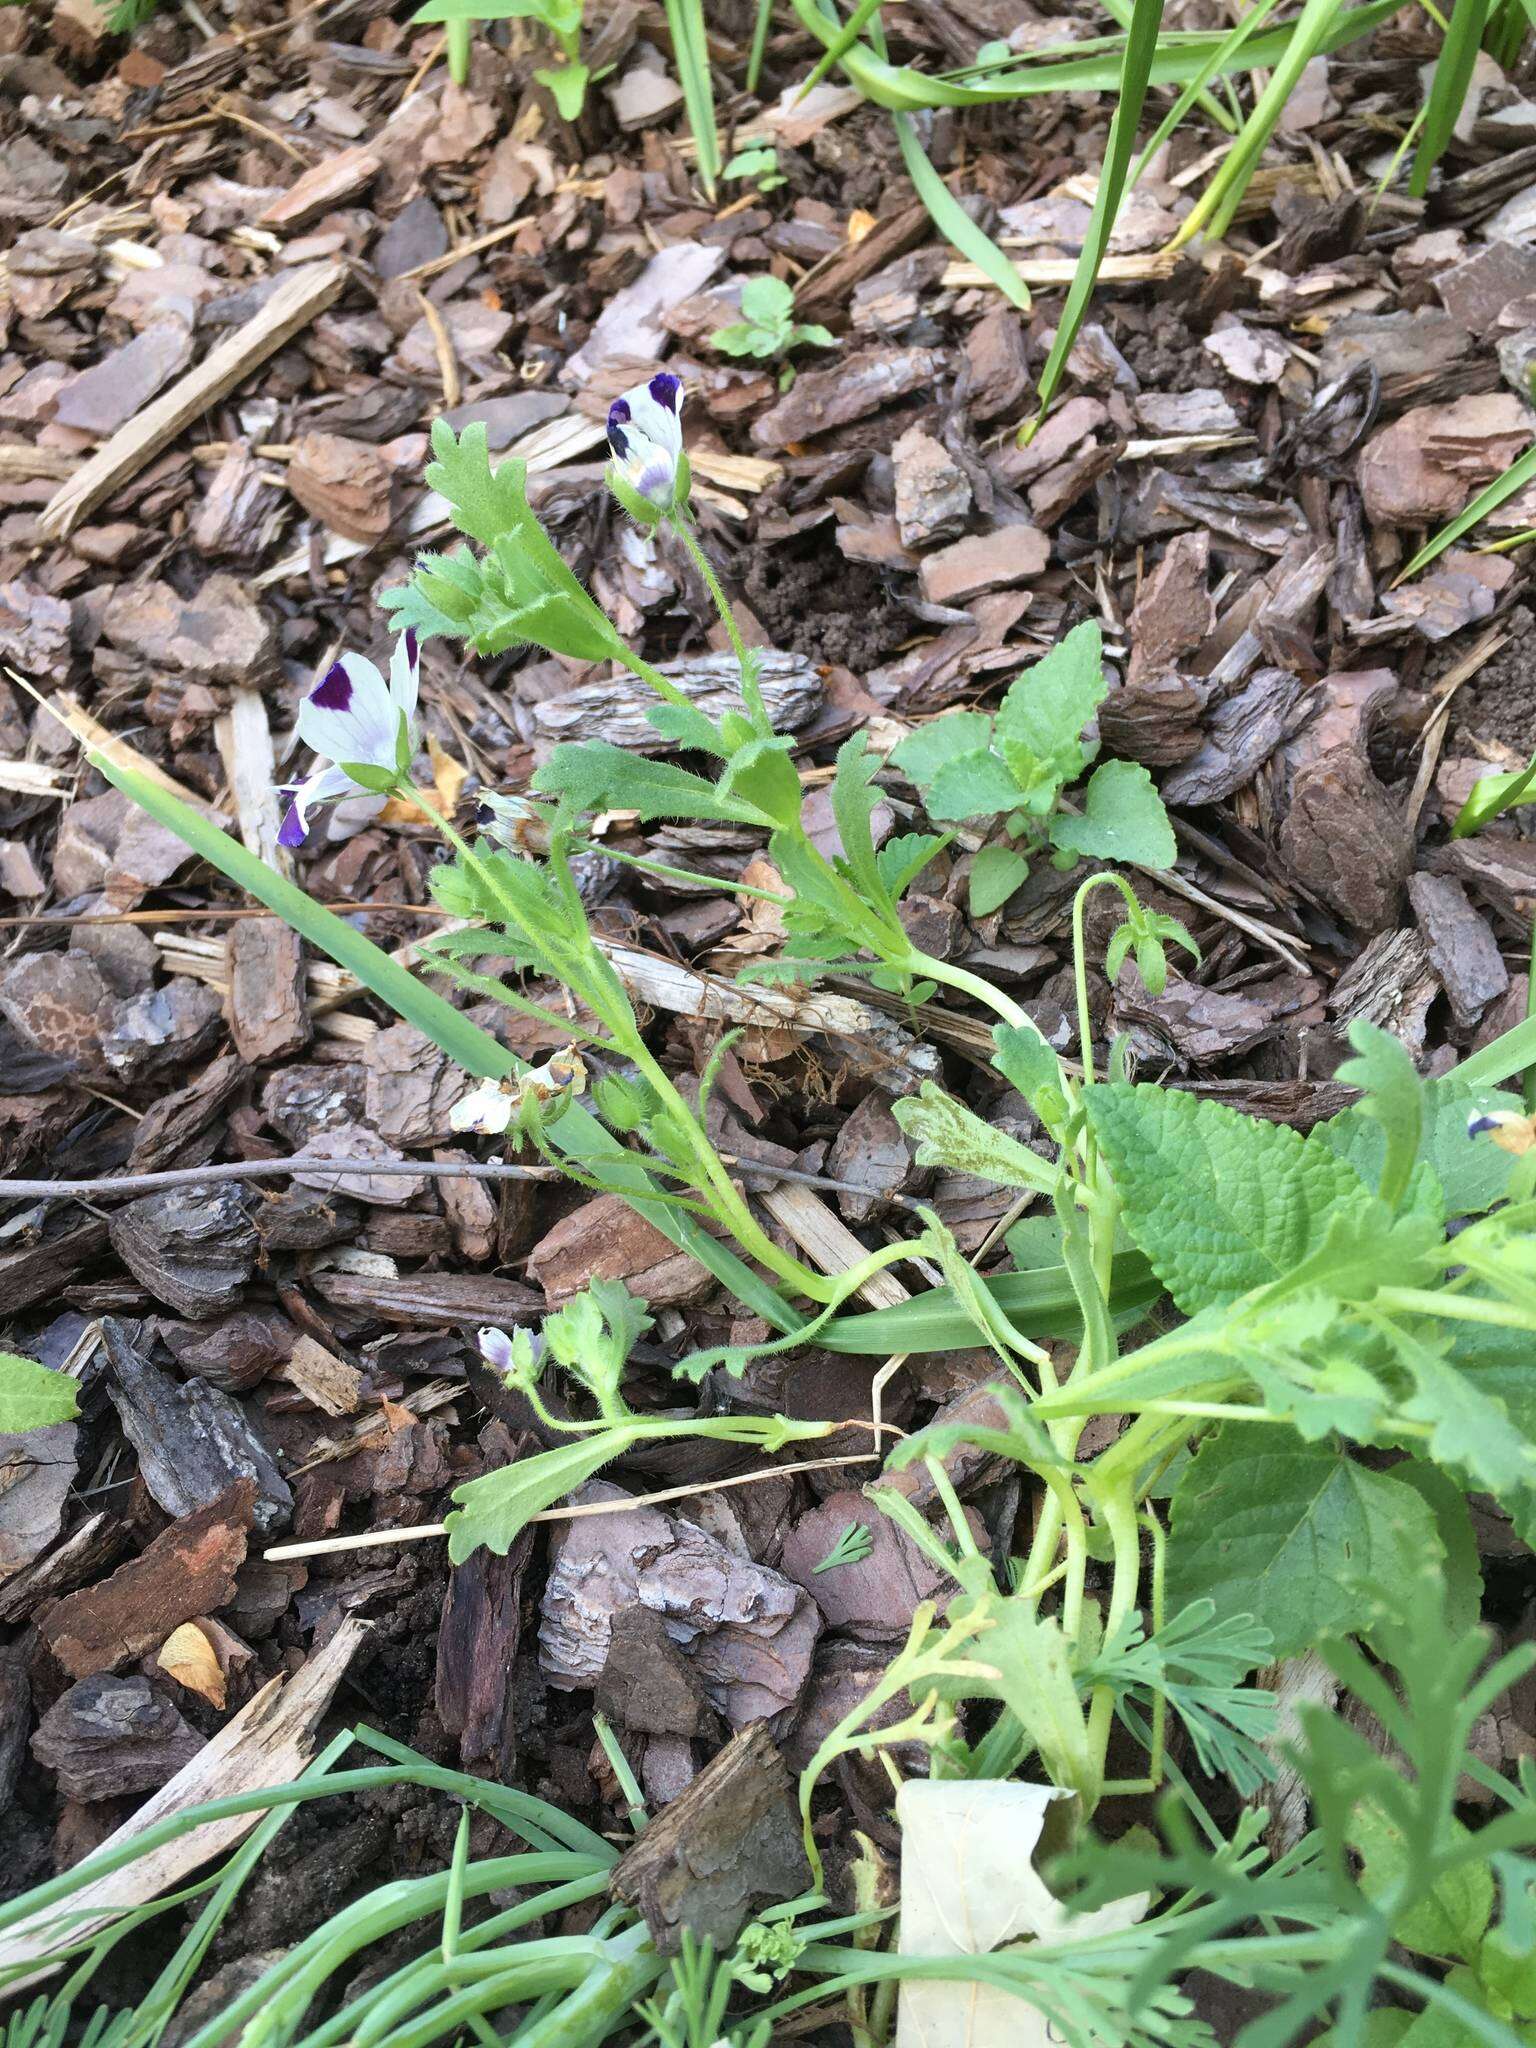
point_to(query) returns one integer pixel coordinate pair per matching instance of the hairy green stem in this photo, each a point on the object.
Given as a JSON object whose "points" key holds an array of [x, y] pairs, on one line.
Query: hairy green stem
{"points": [[751, 692]]}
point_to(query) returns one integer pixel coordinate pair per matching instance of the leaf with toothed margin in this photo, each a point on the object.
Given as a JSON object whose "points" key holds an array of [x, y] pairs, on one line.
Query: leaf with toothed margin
{"points": [[1220, 1202]]}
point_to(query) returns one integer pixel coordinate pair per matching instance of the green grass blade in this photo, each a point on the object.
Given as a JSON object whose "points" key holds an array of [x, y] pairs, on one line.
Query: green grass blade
{"points": [[1515, 478], [760, 28], [685, 20], [952, 220], [1448, 89], [577, 1134], [1509, 1054], [1124, 12], [1177, 60], [1040, 1304], [1218, 204], [944, 209], [461, 1039], [1140, 48], [1222, 56], [840, 44]]}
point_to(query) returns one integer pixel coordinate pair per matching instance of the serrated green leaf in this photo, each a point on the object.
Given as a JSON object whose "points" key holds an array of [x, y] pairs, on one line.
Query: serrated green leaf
{"points": [[1393, 1096], [902, 859], [686, 726], [1123, 820], [1024, 1060], [761, 775], [34, 1396], [768, 300], [1450, 1923], [1446, 1501], [972, 785], [1281, 1530], [1220, 1202], [924, 752], [1041, 720], [1470, 1174], [995, 873]]}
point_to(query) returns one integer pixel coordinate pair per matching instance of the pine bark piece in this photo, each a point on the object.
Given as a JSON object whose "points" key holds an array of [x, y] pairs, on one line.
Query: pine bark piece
{"points": [[83, 1555], [268, 1015], [748, 1631], [290, 309], [933, 493], [826, 291], [41, 1272], [725, 1848], [193, 1442], [188, 1570], [344, 484], [430, 1301], [244, 738], [324, 186], [1345, 840], [605, 1239], [476, 1645], [983, 561], [37, 1469], [1462, 950], [865, 382], [109, 1736], [193, 1247], [647, 1684], [791, 685], [874, 1598]]}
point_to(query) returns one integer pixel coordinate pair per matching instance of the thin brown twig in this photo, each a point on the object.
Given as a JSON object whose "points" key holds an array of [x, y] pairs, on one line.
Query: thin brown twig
{"points": [[320, 1164], [214, 911]]}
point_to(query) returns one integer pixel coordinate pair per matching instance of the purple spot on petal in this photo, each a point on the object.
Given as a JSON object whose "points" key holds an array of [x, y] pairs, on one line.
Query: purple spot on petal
{"points": [[618, 419], [334, 691], [411, 645], [292, 830], [664, 388]]}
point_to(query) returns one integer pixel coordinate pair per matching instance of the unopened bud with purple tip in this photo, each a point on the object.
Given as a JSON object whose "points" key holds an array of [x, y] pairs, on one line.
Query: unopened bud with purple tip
{"points": [[649, 472]]}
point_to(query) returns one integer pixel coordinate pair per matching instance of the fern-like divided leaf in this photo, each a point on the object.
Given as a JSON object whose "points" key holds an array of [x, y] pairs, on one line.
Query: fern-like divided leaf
{"points": [[519, 591]]}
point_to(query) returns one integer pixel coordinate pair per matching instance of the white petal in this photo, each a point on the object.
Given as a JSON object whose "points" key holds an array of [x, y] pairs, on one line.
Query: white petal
{"points": [[657, 420], [487, 1110], [405, 674], [326, 786], [496, 1350], [350, 714]]}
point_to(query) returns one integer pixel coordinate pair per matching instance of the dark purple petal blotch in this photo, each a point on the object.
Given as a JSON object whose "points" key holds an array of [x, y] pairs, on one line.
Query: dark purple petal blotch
{"points": [[334, 690]]}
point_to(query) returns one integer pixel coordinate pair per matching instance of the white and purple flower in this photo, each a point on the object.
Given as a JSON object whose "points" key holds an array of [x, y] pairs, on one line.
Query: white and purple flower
{"points": [[354, 719], [645, 432]]}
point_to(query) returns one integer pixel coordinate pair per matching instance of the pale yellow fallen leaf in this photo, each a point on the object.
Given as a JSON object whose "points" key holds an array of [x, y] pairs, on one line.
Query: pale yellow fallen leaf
{"points": [[189, 1657]]}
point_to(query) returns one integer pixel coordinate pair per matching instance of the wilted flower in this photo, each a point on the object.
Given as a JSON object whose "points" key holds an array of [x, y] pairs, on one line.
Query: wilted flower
{"points": [[497, 1106], [1508, 1130], [649, 472], [356, 721], [512, 823]]}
